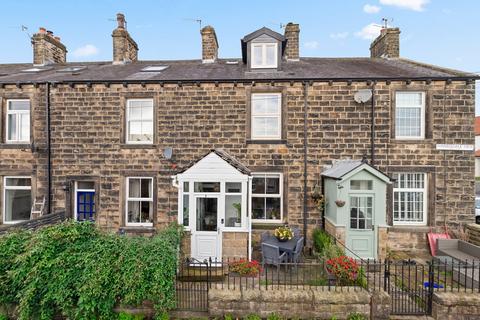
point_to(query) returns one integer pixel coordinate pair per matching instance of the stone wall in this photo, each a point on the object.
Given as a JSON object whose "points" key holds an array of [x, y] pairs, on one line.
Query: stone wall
{"points": [[473, 233], [88, 130], [456, 306], [411, 240], [307, 303]]}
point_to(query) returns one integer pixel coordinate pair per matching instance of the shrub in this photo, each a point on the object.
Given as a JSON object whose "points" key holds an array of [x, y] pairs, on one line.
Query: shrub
{"points": [[128, 316], [321, 239], [332, 251], [252, 317], [356, 316], [245, 267], [74, 269], [274, 316]]}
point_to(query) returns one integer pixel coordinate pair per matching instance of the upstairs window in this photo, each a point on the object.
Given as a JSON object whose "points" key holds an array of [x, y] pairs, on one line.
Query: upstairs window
{"points": [[18, 121], [140, 121], [264, 55], [410, 115], [266, 116]]}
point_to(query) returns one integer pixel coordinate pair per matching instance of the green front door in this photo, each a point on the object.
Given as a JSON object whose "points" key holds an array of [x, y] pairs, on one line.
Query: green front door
{"points": [[361, 234]]}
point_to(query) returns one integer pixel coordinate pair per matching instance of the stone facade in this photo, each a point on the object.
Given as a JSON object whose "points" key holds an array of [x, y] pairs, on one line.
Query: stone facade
{"points": [[88, 129], [473, 233], [209, 45], [387, 45], [47, 49]]}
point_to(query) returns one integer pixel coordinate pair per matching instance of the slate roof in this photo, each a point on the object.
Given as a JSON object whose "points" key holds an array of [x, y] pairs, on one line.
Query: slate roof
{"points": [[225, 70], [225, 156], [343, 167]]}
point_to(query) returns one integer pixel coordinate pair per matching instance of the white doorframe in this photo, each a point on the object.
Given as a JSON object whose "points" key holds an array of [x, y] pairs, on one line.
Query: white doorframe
{"points": [[206, 244], [362, 234]]}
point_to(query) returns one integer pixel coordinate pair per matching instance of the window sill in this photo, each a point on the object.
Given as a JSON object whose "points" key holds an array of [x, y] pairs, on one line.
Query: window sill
{"points": [[15, 146], [137, 146], [267, 225], [282, 141], [417, 140], [138, 229], [410, 228]]}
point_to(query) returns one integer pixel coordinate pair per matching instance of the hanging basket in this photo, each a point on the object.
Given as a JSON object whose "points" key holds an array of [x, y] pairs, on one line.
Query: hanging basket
{"points": [[340, 203]]}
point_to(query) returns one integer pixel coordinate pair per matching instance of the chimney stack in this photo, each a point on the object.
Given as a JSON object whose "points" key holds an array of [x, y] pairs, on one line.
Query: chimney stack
{"points": [[125, 49], [292, 50], [47, 48], [387, 44], [209, 45]]}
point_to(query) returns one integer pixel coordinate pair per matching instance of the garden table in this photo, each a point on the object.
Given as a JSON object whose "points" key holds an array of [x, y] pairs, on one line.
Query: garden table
{"points": [[286, 246]]}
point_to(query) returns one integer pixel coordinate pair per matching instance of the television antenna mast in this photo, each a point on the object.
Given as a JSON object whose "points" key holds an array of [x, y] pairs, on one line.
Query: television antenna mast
{"points": [[198, 20]]}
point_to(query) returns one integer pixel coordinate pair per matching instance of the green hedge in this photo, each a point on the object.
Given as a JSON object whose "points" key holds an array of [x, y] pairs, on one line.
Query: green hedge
{"points": [[76, 270]]}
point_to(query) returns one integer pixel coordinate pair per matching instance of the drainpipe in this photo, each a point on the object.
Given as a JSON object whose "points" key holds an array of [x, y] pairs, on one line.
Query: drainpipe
{"points": [[49, 149], [305, 145], [372, 128]]}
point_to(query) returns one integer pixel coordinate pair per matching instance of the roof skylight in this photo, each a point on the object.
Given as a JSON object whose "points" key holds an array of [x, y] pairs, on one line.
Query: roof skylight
{"points": [[36, 69], [154, 68], [72, 69]]}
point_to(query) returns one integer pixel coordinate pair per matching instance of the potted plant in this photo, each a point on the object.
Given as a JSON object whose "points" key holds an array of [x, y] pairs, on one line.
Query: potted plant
{"points": [[283, 233], [245, 268], [238, 207], [343, 269]]}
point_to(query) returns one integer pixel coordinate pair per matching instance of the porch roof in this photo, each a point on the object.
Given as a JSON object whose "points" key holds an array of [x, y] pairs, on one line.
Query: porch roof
{"points": [[343, 168], [240, 167]]}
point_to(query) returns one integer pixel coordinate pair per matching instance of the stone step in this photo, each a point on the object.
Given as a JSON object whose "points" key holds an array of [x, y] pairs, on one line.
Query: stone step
{"points": [[411, 318]]}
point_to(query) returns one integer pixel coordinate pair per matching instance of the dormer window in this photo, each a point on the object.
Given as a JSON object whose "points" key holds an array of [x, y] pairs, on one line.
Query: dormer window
{"points": [[264, 55]]}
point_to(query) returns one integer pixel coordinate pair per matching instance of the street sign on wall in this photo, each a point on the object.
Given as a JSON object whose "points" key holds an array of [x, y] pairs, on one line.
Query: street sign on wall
{"points": [[455, 147]]}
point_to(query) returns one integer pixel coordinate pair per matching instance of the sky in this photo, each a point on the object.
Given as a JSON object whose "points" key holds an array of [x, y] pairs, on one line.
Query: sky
{"points": [[440, 32]]}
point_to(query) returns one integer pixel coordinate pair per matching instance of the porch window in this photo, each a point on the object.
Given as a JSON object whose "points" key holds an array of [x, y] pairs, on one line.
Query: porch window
{"points": [[18, 121], [186, 204], [267, 197], [233, 204], [410, 198], [264, 55], [140, 121], [410, 115], [17, 196], [266, 116], [139, 202]]}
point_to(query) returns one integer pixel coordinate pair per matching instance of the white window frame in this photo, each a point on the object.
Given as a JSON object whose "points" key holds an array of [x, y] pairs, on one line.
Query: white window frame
{"points": [[266, 115], [264, 64], [7, 123], [127, 122], [259, 195], [5, 188], [127, 199], [422, 116], [77, 190], [406, 190]]}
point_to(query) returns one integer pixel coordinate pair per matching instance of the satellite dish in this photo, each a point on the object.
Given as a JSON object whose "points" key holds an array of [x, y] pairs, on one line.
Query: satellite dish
{"points": [[167, 153], [362, 96]]}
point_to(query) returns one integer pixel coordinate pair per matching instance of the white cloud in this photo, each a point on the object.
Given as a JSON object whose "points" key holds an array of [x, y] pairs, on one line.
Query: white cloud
{"points": [[311, 44], [415, 5], [85, 51], [339, 35], [369, 32], [368, 8]]}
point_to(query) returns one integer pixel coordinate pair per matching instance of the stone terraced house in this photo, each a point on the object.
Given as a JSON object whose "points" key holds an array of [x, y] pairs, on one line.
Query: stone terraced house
{"points": [[233, 147]]}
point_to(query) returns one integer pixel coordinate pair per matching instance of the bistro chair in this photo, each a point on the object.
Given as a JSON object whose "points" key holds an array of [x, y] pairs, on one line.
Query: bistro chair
{"points": [[297, 253], [296, 232], [264, 236], [271, 255]]}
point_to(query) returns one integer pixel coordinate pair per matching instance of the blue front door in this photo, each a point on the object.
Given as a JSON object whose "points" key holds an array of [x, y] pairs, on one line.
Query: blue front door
{"points": [[85, 205]]}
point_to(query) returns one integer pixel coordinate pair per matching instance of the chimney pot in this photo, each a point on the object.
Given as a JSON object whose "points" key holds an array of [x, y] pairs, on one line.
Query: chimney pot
{"points": [[50, 33], [387, 44], [292, 35], [42, 30], [121, 20], [209, 45]]}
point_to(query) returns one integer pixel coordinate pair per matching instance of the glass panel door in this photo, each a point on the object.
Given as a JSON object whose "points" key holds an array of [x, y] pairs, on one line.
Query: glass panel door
{"points": [[207, 214]]}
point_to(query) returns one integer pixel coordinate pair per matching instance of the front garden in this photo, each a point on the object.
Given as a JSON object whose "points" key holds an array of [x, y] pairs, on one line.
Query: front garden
{"points": [[79, 272]]}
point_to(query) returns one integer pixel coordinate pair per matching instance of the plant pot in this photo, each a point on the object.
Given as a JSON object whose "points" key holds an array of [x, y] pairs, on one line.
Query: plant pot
{"points": [[340, 203], [282, 239], [331, 278]]}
